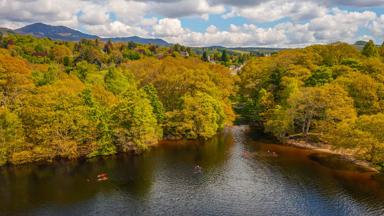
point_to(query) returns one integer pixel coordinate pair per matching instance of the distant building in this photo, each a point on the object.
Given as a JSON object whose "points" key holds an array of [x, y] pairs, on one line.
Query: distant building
{"points": [[235, 69], [211, 60], [184, 53]]}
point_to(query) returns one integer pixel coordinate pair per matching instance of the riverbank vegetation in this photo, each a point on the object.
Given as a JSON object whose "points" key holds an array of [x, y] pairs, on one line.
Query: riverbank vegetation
{"points": [[90, 98], [330, 94]]}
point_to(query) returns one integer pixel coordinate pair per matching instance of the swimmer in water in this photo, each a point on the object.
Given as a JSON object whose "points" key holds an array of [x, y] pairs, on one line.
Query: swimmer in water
{"points": [[198, 169], [245, 154], [102, 177]]}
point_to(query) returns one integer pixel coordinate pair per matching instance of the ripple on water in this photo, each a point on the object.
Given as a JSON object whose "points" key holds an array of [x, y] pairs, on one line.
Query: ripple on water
{"points": [[163, 182]]}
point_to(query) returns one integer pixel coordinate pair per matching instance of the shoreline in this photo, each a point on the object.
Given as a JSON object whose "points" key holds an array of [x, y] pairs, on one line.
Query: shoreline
{"points": [[343, 154]]}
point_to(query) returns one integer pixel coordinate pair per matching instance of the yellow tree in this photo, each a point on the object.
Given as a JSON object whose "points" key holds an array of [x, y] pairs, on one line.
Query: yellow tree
{"points": [[320, 107], [11, 135]]}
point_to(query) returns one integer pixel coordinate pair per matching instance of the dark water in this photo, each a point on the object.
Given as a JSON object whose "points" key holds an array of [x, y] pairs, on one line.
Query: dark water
{"points": [[164, 182]]}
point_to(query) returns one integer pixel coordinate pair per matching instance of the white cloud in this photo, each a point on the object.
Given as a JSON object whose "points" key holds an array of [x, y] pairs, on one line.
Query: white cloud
{"points": [[128, 12], [275, 10], [295, 23], [94, 15], [212, 29], [38, 10], [185, 8], [245, 35], [337, 25], [297, 34], [377, 27], [116, 29], [340, 25], [168, 28], [353, 3], [358, 3]]}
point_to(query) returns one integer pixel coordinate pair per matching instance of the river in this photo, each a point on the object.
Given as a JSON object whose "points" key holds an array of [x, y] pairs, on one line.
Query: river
{"points": [[240, 176]]}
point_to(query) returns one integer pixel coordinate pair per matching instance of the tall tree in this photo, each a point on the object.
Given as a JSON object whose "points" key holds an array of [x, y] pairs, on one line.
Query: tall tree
{"points": [[205, 56], [224, 56], [370, 49]]}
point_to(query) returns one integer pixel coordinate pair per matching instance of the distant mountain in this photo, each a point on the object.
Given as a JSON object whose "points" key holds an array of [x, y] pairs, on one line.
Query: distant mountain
{"points": [[139, 40], [42, 30], [258, 51], [216, 47], [54, 32], [5, 31], [360, 43]]}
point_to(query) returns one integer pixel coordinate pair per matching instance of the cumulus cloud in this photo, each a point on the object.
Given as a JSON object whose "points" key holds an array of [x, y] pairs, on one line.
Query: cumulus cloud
{"points": [[168, 28], [358, 3], [287, 23], [128, 12], [242, 35], [338, 25], [185, 8], [93, 15], [275, 10], [32, 10], [354, 3], [341, 25], [377, 26], [116, 29]]}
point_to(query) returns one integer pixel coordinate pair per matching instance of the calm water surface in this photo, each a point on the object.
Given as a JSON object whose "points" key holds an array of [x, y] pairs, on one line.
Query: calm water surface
{"points": [[239, 177]]}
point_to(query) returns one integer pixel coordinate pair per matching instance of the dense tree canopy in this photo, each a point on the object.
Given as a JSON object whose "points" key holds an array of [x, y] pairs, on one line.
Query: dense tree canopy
{"points": [[67, 100], [90, 98], [322, 93]]}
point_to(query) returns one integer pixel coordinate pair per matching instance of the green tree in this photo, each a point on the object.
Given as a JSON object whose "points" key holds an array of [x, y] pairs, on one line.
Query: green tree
{"points": [[321, 107], [205, 56], [117, 82], [364, 91], [83, 69], [131, 45], [45, 78], [135, 123], [201, 116], [321, 76], [102, 131], [370, 49], [131, 55], [364, 136], [279, 123], [157, 105], [11, 134], [374, 126], [108, 47], [224, 56]]}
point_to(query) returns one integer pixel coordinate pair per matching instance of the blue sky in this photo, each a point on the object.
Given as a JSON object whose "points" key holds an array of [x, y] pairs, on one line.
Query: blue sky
{"points": [[276, 23]]}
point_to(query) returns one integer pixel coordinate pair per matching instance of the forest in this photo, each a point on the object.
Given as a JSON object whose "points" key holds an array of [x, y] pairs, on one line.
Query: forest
{"points": [[90, 98], [93, 98], [331, 94]]}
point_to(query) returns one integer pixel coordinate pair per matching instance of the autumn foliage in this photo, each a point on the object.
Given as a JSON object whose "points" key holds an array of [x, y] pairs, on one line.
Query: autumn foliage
{"points": [[323, 93], [91, 98]]}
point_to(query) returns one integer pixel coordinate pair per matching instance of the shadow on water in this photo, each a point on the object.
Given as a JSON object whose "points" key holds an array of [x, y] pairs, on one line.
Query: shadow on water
{"points": [[330, 175], [241, 174], [65, 183]]}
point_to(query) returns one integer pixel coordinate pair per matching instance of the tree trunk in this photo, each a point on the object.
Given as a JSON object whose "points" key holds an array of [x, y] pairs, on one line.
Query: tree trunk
{"points": [[308, 126]]}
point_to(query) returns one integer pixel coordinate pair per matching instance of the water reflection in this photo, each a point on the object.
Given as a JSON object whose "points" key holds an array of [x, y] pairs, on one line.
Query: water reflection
{"points": [[164, 182]]}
